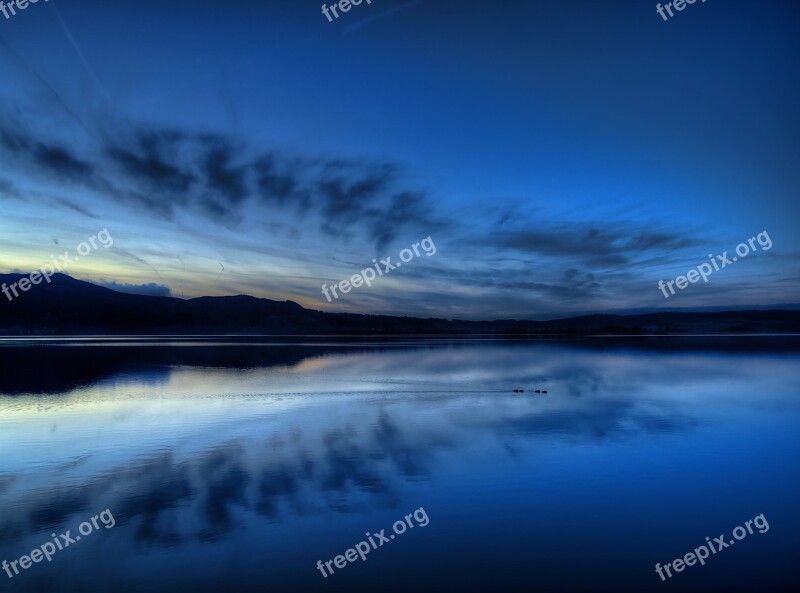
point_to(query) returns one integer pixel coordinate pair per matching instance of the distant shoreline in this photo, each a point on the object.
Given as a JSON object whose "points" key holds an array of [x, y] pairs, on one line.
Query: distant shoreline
{"points": [[68, 307]]}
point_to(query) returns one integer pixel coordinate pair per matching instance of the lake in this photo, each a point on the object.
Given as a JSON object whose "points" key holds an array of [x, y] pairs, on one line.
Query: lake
{"points": [[248, 464]]}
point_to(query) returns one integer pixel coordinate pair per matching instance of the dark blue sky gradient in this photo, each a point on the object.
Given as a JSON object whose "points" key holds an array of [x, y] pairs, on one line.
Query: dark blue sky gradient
{"points": [[563, 156]]}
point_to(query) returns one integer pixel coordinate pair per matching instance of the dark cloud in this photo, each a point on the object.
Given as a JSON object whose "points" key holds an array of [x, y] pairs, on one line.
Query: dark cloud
{"points": [[275, 186], [227, 182], [7, 189], [146, 159], [161, 169], [347, 194], [61, 165], [151, 289], [61, 161], [404, 208], [13, 142], [50, 157], [591, 243], [362, 194]]}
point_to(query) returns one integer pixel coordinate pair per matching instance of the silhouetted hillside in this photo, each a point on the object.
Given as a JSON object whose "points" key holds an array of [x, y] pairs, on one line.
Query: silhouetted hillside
{"points": [[71, 307]]}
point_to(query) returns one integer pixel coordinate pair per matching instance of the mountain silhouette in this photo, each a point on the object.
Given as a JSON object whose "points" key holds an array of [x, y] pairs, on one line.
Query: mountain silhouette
{"points": [[67, 306]]}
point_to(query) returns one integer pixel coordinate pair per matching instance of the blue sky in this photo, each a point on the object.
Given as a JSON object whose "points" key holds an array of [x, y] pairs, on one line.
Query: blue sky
{"points": [[563, 156]]}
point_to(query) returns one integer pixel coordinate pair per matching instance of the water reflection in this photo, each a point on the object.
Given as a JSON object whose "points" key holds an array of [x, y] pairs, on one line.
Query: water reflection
{"points": [[197, 448]]}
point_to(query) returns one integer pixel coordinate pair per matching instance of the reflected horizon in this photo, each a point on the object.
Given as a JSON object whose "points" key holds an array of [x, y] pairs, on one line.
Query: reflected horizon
{"points": [[209, 452]]}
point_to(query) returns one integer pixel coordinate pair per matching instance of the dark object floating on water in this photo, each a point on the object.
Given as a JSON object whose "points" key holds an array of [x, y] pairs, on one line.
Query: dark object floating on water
{"points": [[519, 391], [537, 391], [544, 391]]}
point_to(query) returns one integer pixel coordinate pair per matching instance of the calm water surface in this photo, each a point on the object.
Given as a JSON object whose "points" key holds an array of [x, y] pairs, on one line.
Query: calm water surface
{"points": [[236, 466]]}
